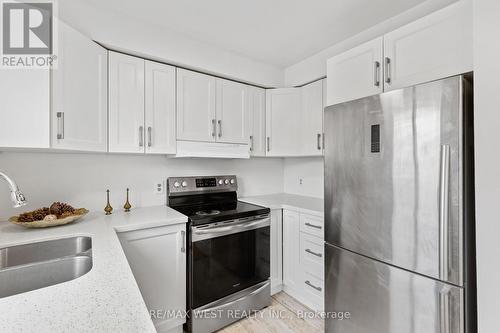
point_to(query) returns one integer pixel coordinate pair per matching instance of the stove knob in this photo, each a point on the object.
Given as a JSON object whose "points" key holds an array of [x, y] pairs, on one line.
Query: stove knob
{"points": [[226, 181], [221, 182], [233, 181], [184, 184], [177, 184]]}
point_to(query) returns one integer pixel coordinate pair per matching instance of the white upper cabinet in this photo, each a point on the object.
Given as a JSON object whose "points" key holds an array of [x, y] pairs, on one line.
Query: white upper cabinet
{"points": [[312, 119], [257, 124], [160, 108], [126, 103], [195, 106], [25, 108], [283, 116], [355, 73], [436, 46], [232, 112], [79, 93]]}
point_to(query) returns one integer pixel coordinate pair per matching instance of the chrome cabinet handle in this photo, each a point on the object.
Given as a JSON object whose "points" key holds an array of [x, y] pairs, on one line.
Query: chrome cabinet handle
{"points": [[60, 125], [444, 189], [141, 136], [388, 70], [213, 128], [323, 141], [313, 286], [319, 255], [183, 235], [268, 144], [219, 122], [319, 141], [376, 74], [251, 142], [150, 141], [313, 226]]}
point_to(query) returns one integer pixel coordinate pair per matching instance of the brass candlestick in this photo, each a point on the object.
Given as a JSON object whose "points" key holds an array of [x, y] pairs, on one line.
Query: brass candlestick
{"points": [[108, 209], [127, 205]]}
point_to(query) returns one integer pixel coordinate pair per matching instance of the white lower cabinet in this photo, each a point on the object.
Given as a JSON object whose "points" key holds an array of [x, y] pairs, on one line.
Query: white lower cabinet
{"points": [[303, 259], [291, 241], [157, 257], [276, 253]]}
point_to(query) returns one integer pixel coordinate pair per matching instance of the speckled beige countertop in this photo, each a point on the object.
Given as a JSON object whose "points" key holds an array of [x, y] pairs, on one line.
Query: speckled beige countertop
{"points": [[106, 299]]}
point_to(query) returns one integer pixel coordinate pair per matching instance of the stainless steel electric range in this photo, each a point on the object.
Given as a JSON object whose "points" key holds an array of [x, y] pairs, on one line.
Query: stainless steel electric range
{"points": [[228, 251]]}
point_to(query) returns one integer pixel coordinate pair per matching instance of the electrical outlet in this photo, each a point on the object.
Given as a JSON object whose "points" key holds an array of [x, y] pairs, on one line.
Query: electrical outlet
{"points": [[301, 181], [160, 187]]}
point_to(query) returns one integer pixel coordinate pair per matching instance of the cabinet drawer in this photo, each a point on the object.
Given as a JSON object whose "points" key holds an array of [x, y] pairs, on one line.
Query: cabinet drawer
{"points": [[312, 255], [313, 291], [312, 225]]}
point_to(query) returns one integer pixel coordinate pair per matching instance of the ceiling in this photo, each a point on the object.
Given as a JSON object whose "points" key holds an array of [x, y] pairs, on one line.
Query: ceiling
{"points": [[277, 32]]}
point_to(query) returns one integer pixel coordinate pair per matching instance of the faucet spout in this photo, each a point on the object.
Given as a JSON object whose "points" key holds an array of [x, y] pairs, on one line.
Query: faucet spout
{"points": [[16, 195]]}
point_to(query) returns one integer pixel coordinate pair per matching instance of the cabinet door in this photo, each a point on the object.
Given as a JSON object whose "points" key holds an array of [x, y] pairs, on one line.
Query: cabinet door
{"points": [[283, 110], [160, 108], [79, 93], [126, 103], [232, 112], [355, 73], [276, 251], [436, 46], [195, 106], [25, 108], [291, 254], [157, 257], [312, 119], [257, 110]]}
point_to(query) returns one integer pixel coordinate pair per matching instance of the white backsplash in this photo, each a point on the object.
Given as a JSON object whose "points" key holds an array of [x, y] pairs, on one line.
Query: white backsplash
{"points": [[82, 179], [307, 169]]}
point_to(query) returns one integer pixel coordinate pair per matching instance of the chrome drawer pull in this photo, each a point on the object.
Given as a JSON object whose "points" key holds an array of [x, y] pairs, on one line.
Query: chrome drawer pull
{"points": [[313, 226], [313, 286], [314, 253]]}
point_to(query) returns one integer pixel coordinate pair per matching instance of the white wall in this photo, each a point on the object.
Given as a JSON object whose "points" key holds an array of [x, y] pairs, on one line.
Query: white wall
{"points": [[314, 67], [486, 15], [82, 179], [143, 38], [307, 169]]}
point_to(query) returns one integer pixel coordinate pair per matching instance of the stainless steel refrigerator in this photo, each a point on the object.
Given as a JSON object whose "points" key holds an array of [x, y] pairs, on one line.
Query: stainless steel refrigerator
{"points": [[399, 211]]}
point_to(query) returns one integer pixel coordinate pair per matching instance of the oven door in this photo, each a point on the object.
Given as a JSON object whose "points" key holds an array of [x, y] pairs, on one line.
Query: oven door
{"points": [[228, 257]]}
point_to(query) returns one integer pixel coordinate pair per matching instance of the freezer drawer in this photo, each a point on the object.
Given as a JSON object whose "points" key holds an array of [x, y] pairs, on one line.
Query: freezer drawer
{"points": [[385, 299]]}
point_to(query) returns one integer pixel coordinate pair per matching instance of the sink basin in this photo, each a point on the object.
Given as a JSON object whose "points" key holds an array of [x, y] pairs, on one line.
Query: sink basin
{"points": [[37, 265]]}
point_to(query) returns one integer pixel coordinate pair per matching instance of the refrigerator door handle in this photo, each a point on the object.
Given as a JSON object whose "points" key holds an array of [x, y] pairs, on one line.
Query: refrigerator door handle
{"points": [[444, 308], [444, 190]]}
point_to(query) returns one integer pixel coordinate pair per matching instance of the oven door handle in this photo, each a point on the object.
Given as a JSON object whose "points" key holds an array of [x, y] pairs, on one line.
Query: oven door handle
{"points": [[216, 306], [212, 232]]}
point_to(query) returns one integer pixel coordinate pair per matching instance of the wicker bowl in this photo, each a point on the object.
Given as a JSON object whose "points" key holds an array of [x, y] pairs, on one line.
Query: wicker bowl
{"points": [[80, 212]]}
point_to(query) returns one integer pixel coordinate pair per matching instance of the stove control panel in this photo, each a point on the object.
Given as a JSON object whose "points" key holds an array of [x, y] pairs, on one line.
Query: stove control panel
{"points": [[191, 185]]}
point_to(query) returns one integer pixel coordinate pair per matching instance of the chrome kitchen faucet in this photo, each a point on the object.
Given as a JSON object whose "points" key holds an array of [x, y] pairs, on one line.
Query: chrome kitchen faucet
{"points": [[16, 195]]}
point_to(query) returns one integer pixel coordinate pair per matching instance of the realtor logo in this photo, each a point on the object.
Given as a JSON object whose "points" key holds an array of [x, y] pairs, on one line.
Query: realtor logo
{"points": [[27, 34]]}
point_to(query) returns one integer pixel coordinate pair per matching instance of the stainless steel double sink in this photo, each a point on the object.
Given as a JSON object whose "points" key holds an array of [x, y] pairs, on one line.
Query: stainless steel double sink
{"points": [[37, 265]]}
